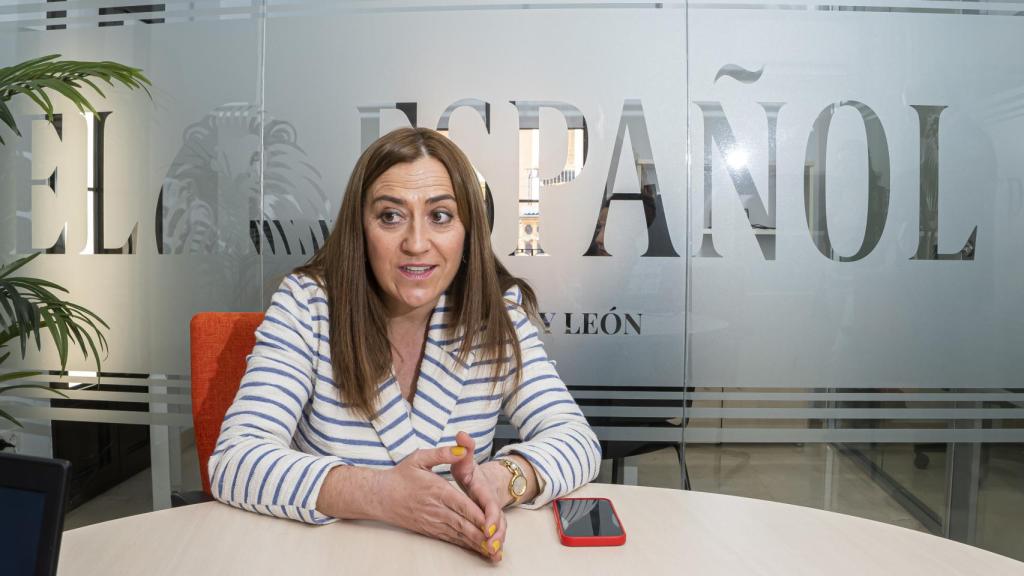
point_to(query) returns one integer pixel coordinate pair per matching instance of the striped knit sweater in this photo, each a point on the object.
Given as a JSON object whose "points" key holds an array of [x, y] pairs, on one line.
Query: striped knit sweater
{"points": [[287, 428]]}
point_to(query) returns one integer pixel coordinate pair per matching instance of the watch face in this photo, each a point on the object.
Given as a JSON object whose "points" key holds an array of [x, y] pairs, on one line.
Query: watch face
{"points": [[519, 486]]}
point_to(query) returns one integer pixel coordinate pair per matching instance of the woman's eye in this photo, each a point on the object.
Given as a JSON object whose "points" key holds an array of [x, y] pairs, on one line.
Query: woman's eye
{"points": [[442, 217], [390, 217]]}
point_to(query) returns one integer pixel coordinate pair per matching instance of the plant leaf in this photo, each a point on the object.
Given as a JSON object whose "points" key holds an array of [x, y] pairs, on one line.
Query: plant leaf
{"points": [[8, 119], [34, 386], [11, 418], [29, 305], [8, 268], [66, 77], [17, 376], [57, 334]]}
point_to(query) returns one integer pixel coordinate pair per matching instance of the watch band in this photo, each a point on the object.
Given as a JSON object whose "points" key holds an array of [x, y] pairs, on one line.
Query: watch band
{"points": [[517, 484]]}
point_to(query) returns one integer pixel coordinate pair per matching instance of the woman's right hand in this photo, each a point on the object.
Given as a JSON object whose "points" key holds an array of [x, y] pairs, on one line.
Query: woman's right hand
{"points": [[419, 500]]}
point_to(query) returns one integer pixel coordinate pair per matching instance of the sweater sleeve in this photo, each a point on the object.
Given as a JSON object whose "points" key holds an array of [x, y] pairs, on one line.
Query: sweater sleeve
{"points": [[253, 465], [556, 438]]}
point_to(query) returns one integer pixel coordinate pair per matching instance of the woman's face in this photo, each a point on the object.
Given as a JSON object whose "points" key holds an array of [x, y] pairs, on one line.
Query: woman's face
{"points": [[414, 237]]}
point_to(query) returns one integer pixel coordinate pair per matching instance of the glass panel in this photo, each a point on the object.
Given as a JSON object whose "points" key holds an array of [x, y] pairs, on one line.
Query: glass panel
{"points": [[144, 211], [1000, 498], [853, 244], [856, 259], [581, 155]]}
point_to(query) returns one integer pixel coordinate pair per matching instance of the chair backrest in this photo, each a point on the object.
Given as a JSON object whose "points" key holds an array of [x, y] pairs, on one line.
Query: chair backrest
{"points": [[220, 343], [33, 493]]}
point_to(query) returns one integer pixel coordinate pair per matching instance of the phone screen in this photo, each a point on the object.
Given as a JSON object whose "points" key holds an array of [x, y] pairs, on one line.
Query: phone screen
{"points": [[587, 517]]}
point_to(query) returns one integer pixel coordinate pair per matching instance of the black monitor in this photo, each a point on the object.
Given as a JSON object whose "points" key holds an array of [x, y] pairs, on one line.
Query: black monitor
{"points": [[33, 493]]}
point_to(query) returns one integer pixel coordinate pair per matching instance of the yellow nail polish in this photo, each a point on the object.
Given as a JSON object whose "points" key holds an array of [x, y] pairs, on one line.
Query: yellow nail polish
{"points": [[491, 530], [458, 451], [497, 545], [483, 545]]}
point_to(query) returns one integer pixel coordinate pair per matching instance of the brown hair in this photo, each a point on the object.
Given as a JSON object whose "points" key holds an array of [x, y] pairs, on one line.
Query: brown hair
{"points": [[360, 350]]}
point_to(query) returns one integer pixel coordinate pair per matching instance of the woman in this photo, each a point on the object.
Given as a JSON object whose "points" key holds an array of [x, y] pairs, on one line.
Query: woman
{"points": [[389, 357]]}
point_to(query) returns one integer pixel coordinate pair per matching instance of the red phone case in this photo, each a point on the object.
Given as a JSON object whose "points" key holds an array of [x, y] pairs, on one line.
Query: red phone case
{"points": [[588, 540]]}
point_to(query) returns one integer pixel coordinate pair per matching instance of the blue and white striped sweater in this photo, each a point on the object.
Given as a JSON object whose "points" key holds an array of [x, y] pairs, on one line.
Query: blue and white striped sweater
{"points": [[286, 428]]}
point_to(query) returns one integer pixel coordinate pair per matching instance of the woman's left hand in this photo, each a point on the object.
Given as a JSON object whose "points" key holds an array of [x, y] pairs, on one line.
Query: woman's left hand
{"points": [[485, 487]]}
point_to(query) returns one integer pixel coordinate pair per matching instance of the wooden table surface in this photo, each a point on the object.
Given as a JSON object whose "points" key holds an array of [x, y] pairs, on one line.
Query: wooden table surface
{"points": [[668, 532]]}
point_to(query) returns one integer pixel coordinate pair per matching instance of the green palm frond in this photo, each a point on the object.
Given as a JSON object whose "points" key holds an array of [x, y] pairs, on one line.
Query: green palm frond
{"points": [[66, 77], [27, 305], [16, 375]]}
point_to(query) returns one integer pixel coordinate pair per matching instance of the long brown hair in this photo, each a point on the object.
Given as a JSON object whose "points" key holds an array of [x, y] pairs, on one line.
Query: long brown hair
{"points": [[360, 350]]}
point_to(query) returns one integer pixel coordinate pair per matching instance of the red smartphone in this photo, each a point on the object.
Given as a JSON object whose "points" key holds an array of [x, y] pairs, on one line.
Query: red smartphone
{"points": [[588, 522]]}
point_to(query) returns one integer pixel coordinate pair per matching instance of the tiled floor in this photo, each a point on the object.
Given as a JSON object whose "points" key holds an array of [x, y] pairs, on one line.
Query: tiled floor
{"points": [[133, 496], [787, 473], [1001, 500], [814, 475]]}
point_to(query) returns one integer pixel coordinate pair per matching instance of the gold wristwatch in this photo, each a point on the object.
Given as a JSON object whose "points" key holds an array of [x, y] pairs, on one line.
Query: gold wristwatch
{"points": [[517, 485]]}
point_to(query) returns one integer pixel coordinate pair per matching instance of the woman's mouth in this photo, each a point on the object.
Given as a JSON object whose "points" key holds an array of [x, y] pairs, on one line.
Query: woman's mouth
{"points": [[417, 271]]}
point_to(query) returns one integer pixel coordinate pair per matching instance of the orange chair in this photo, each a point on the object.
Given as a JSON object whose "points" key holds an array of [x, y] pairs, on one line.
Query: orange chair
{"points": [[220, 343]]}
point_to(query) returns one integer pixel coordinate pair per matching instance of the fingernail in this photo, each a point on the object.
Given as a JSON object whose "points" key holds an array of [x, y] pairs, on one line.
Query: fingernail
{"points": [[483, 545], [490, 531], [458, 451], [497, 545]]}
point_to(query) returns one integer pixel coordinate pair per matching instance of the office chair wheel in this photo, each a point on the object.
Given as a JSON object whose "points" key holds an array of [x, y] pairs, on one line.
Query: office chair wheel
{"points": [[921, 461], [188, 498]]}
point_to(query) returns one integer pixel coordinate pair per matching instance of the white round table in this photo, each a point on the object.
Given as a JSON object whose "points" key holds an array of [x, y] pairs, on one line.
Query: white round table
{"points": [[668, 532]]}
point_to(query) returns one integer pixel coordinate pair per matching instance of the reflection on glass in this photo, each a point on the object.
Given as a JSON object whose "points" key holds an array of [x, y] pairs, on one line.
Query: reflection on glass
{"points": [[737, 158], [137, 9], [719, 132], [209, 203], [531, 183], [1001, 498], [878, 181]]}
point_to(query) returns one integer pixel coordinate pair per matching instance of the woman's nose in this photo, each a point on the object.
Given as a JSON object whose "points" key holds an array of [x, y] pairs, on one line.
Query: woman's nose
{"points": [[415, 240]]}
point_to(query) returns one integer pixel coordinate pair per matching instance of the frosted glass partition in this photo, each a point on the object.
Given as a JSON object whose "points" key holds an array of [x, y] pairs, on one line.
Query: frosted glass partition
{"points": [[144, 211], [857, 248], [578, 140], [789, 234]]}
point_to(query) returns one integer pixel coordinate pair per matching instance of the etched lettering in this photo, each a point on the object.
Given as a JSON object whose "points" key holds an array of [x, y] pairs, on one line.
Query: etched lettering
{"points": [[634, 322], [878, 181], [604, 322], [659, 242], [928, 223]]}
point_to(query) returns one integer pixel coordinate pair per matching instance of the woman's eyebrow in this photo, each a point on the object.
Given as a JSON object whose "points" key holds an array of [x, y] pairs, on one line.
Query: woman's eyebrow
{"points": [[441, 198], [386, 198], [401, 201]]}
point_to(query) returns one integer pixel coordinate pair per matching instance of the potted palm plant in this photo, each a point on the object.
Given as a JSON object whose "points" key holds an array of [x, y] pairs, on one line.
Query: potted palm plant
{"points": [[31, 307]]}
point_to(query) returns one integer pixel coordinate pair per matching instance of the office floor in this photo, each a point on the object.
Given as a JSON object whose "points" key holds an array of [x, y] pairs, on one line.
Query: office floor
{"points": [[813, 475], [793, 474], [133, 496]]}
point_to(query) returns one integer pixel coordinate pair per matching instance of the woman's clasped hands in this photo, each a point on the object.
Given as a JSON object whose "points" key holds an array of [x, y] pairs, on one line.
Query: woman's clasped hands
{"points": [[486, 490], [430, 505]]}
